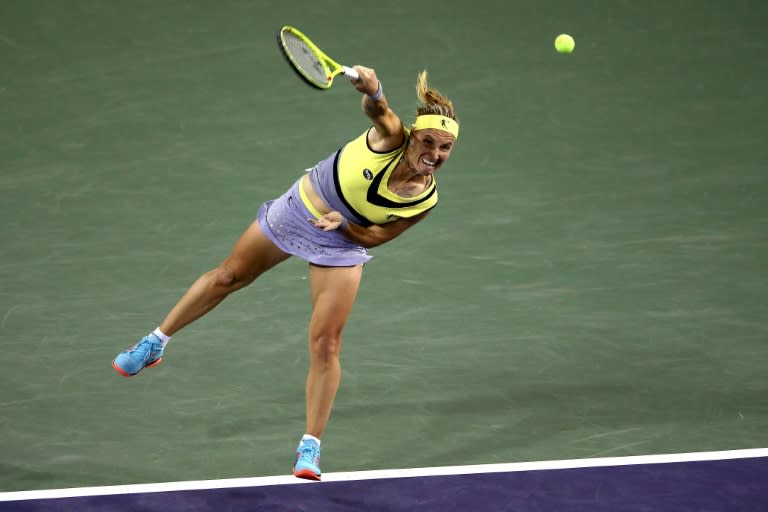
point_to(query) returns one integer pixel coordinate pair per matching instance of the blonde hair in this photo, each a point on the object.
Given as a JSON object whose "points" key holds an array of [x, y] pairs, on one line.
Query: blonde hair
{"points": [[432, 101]]}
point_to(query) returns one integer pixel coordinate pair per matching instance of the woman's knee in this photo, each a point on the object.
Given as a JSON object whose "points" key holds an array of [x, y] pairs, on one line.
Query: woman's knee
{"points": [[229, 276], [325, 347]]}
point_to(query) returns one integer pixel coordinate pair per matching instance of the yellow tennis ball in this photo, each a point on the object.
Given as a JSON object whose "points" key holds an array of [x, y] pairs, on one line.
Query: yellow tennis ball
{"points": [[564, 43]]}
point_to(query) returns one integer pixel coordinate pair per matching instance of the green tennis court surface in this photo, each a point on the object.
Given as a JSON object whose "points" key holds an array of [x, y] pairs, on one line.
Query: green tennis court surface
{"points": [[591, 285]]}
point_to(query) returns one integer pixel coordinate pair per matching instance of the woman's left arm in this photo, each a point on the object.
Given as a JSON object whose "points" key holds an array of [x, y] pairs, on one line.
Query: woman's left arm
{"points": [[369, 236]]}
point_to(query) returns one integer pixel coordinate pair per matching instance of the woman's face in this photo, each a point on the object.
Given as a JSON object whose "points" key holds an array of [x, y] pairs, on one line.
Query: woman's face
{"points": [[428, 150]]}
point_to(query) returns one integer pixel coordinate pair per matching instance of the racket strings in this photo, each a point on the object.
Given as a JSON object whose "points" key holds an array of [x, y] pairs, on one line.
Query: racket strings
{"points": [[304, 58]]}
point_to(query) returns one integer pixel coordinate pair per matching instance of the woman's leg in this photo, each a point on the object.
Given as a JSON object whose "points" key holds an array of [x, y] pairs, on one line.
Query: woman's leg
{"points": [[252, 255], [333, 293]]}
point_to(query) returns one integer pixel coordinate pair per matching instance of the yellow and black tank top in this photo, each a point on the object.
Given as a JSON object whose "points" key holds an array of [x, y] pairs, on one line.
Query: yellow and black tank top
{"points": [[354, 179]]}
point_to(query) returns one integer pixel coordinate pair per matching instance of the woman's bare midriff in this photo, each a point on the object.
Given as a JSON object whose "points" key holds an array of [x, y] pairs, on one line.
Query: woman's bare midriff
{"points": [[313, 197]]}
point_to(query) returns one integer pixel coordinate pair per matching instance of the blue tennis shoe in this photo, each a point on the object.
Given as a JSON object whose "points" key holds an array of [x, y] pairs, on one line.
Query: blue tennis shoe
{"points": [[307, 463], [145, 354]]}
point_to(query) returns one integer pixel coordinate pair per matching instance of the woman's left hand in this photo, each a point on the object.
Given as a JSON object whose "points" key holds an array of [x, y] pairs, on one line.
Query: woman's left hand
{"points": [[329, 221]]}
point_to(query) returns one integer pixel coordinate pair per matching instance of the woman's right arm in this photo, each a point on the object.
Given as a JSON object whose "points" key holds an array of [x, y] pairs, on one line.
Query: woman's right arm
{"points": [[387, 133]]}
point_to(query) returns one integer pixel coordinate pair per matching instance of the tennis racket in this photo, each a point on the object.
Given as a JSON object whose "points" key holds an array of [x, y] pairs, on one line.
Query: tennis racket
{"points": [[309, 61]]}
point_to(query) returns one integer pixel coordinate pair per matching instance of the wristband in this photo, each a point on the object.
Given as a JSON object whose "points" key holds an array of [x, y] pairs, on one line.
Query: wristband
{"points": [[379, 93]]}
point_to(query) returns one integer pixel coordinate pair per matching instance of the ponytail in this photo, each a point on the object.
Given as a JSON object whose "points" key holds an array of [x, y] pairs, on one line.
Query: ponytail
{"points": [[432, 102]]}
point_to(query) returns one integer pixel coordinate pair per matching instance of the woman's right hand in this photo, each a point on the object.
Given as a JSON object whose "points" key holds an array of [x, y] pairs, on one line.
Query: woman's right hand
{"points": [[367, 83]]}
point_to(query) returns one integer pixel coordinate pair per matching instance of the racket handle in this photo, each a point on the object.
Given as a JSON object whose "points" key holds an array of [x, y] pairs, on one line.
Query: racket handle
{"points": [[350, 72]]}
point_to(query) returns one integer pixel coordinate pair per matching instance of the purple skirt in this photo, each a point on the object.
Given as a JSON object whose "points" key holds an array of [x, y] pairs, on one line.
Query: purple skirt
{"points": [[285, 222]]}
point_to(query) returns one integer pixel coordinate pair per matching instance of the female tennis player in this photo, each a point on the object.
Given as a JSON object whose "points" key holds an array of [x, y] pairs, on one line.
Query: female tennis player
{"points": [[361, 196]]}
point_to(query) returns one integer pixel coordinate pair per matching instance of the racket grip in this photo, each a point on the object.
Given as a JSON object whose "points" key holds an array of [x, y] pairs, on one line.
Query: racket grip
{"points": [[350, 72]]}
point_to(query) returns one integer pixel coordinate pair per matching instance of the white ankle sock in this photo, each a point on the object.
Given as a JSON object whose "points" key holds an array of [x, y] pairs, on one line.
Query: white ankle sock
{"points": [[308, 436], [163, 338]]}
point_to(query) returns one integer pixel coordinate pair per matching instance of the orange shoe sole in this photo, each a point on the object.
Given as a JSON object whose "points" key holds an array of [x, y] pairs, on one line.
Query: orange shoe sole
{"points": [[126, 374], [306, 474]]}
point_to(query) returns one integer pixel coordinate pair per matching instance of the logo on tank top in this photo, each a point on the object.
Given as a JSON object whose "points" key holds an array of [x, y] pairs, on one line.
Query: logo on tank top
{"points": [[367, 174]]}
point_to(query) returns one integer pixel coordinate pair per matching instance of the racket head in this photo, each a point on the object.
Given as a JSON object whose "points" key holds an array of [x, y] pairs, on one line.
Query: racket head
{"points": [[309, 61]]}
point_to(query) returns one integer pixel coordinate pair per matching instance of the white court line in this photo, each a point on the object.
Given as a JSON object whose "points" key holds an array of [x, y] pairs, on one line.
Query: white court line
{"points": [[386, 473]]}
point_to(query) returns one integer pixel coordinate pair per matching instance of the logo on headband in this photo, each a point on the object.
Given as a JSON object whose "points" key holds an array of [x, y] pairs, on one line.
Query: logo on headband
{"points": [[444, 123]]}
